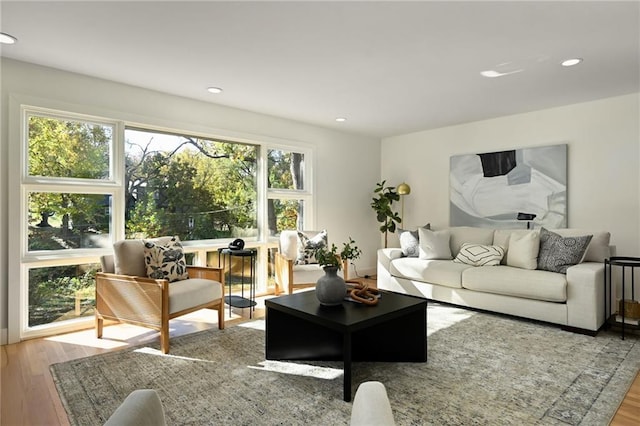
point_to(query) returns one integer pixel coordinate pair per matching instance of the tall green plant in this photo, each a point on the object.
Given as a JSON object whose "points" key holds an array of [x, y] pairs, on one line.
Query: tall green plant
{"points": [[382, 204]]}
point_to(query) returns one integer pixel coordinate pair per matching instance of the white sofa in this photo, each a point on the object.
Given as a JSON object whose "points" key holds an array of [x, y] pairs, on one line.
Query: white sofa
{"points": [[574, 300]]}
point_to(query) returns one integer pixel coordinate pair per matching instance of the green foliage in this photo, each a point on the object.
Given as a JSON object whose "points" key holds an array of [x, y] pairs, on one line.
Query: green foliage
{"points": [[382, 204], [52, 290], [198, 194], [331, 257]]}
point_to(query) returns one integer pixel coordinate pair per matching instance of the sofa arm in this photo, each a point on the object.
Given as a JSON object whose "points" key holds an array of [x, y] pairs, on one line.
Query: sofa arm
{"points": [[141, 407], [386, 255], [371, 406], [585, 295]]}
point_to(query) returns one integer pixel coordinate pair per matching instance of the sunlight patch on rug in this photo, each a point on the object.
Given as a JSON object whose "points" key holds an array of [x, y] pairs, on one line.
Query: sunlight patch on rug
{"points": [[158, 352], [306, 370]]}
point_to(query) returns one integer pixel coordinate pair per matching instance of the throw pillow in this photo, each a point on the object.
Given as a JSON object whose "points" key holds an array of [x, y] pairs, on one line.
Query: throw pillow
{"points": [[308, 242], [479, 255], [559, 253], [165, 261], [410, 241], [434, 244], [523, 250]]}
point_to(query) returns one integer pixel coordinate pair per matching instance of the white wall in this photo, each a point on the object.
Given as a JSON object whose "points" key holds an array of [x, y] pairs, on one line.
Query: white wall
{"points": [[603, 140], [346, 165]]}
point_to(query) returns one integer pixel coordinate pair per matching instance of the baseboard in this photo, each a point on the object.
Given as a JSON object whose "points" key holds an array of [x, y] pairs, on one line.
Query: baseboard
{"points": [[4, 336], [362, 273]]}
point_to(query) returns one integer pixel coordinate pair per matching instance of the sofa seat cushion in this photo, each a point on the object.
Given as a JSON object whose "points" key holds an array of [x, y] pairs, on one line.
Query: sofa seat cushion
{"points": [[442, 272], [509, 281], [191, 292]]}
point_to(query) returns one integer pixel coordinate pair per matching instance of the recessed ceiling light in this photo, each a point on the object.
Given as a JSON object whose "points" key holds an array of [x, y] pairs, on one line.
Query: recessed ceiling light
{"points": [[494, 73], [341, 119], [214, 90], [7, 38], [571, 62]]}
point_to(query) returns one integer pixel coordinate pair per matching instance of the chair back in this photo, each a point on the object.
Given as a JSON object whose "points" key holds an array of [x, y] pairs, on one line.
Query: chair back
{"points": [[106, 262], [129, 256], [289, 244]]}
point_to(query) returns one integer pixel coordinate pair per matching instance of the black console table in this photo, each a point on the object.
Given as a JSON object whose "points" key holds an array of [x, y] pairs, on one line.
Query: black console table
{"points": [[624, 263], [246, 255]]}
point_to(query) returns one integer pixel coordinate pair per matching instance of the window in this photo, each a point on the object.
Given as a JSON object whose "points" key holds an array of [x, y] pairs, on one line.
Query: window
{"points": [[88, 181], [198, 189], [68, 187], [63, 220], [288, 190], [67, 148]]}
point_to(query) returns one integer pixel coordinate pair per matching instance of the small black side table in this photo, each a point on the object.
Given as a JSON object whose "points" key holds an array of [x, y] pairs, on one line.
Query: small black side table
{"points": [[246, 255], [624, 262]]}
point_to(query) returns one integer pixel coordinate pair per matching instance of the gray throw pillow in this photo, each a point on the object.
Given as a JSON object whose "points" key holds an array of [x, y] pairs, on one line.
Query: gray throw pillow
{"points": [[559, 253], [410, 241]]}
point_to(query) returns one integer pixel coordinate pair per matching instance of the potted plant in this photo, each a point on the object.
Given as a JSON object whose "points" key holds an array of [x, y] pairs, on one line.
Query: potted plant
{"points": [[329, 257], [386, 195], [330, 288]]}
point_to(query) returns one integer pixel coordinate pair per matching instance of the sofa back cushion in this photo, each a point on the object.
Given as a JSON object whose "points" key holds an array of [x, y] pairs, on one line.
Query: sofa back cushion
{"points": [[468, 234]]}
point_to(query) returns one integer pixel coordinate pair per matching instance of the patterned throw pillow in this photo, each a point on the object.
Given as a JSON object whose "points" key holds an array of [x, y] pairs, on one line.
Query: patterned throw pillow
{"points": [[559, 253], [307, 243], [479, 255], [410, 241], [165, 261]]}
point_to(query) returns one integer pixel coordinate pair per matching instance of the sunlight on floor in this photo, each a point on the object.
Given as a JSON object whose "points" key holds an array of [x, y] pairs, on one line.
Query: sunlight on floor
{"points": [[306, 370], [256, 325], [442, 316], [88, 337]]}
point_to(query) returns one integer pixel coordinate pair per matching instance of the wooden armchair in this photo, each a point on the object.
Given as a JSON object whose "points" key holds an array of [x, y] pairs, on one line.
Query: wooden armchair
{"points": [[290, 274], [124, 293]]}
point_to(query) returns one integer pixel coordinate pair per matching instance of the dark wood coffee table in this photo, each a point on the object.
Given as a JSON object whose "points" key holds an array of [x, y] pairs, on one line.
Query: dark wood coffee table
{"points": [[299, 328]]}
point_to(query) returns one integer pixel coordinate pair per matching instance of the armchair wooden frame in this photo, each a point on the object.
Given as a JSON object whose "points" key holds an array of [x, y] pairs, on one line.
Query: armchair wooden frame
{"points": [[145, 302], [285, 274]]}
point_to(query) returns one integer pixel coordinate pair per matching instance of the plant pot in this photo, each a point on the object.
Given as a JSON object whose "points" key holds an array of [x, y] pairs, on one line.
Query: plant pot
{"points": [[330, 288]]}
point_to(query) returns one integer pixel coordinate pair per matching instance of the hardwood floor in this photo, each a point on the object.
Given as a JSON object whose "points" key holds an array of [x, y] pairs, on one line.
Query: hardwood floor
{"points": [[28, 395]]}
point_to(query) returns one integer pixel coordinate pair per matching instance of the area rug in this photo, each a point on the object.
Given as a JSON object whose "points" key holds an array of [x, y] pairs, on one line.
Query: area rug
{"points": [[482, 369]]}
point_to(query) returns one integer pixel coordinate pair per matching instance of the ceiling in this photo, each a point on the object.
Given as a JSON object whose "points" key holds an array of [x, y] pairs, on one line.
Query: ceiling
{"points": [[390, 68]]}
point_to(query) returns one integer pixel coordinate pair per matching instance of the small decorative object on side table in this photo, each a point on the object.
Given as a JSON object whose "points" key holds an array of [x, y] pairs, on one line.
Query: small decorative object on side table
{"points": [[628, 309]]}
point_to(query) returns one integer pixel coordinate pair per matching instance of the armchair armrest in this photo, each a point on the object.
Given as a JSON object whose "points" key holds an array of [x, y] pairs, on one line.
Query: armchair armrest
{"points": [[206, 272], [283, 272], [135, 299]]}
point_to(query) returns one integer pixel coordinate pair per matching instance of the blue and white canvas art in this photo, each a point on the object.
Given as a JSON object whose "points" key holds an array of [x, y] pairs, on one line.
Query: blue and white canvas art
{"points": [[518, 188]]}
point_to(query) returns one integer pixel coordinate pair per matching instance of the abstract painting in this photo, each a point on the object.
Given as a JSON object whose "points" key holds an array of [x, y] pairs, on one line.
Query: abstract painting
{"points": [[519, 188]]}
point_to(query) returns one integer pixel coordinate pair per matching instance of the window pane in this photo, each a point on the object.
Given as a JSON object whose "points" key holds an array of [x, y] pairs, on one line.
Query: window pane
{"points": [[68, 221], [285, 214], [195, 188], [61, 293], [285, 169], [68, 149]]}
